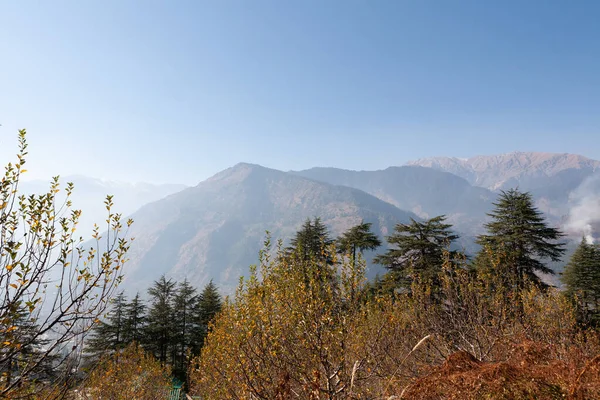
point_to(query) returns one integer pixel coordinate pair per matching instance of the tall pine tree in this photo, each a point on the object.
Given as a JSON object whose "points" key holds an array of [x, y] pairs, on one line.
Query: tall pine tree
{"points": [[108, 336], [135, 320], [208, 305], [31, 355], [418, 250], [183, 326], [522, 238], [159, 328], [582, 279], [358, 239], [312, 241]]}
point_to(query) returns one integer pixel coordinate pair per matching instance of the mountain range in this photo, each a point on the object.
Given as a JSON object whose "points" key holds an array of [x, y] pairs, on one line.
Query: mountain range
{"points": [[550, 177], [424, 191], [509, 170], [214, 230]]}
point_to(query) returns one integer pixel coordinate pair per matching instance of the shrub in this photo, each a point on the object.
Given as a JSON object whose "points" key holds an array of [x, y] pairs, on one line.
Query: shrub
{"points": [[129, 374]]}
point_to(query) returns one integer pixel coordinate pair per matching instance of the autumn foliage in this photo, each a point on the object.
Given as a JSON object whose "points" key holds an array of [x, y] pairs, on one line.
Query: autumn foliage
{"points": [[130, 374], [54, 285], [308, 330]]}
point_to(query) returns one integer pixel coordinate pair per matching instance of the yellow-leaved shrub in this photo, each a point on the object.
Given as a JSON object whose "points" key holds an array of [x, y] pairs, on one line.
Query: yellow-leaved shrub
{"points": [[309, 330]]}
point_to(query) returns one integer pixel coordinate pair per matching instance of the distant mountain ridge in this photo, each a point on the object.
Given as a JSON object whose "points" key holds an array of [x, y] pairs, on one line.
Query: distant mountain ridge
{"points": [[559, 182], [215, 229], [425, 191], [507, 170]]}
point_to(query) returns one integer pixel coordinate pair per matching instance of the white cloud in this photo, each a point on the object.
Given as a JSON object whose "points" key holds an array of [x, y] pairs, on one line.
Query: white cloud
{"points": [[584, 212]]}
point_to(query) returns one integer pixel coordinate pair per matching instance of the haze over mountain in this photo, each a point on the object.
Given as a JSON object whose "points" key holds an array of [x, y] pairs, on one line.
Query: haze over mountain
{"points": [[89, 194], [524, 169], [215, 229], [425, 191], [565, 186]]}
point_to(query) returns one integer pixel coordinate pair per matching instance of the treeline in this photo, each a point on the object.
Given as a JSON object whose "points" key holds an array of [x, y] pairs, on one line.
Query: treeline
{"points": [[307, 323], [516, 246], [171, 324], [417, 249]]}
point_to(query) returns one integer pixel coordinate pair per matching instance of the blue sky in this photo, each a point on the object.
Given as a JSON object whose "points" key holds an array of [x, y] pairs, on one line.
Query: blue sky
{"points": [[174, 91]]}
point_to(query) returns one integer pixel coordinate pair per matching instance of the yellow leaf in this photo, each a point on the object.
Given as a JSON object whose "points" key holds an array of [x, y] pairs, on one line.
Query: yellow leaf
{"points": [[13, 285], [10, 267], [23, 171]]}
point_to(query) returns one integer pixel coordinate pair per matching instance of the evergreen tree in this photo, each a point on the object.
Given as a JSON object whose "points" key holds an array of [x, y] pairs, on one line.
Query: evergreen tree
{"points": [[358, 239], [313, 251], [183, 323], [312, 241], [108, 336], [135, 320], [208, 305], [520, 235], [582, 279], [159, 328], [418, 250], [31, 350]]}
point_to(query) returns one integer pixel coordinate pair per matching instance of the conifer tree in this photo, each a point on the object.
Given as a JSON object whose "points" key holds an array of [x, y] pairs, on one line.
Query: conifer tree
{"points": [[520, 234], [135, 320], [183, 324], [108, 335], [418, 250], [582, 279], [358, 239], [312, 245], [312, 241], [209, 304], [159, 328], [31, 355]]}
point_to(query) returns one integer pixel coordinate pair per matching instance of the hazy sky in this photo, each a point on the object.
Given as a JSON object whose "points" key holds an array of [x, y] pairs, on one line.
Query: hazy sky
{"points": [[174, 91]]}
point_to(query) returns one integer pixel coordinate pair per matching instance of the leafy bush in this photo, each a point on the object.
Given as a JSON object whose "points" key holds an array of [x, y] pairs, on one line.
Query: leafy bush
{"points": [[127, 375], [296, 328]]}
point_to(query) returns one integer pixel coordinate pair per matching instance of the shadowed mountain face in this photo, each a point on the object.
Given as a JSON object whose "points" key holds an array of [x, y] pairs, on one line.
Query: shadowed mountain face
{"points": [[425, 191], [215, 230]]}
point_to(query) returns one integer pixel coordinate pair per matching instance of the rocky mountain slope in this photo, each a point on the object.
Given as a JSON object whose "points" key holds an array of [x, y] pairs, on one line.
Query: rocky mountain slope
{"points": [[215, 230], [555, 180], [509, 170], [425, 191]]}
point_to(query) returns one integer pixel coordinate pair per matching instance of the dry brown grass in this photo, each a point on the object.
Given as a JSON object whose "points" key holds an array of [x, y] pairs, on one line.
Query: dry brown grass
{"points": [[532, 371]]}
